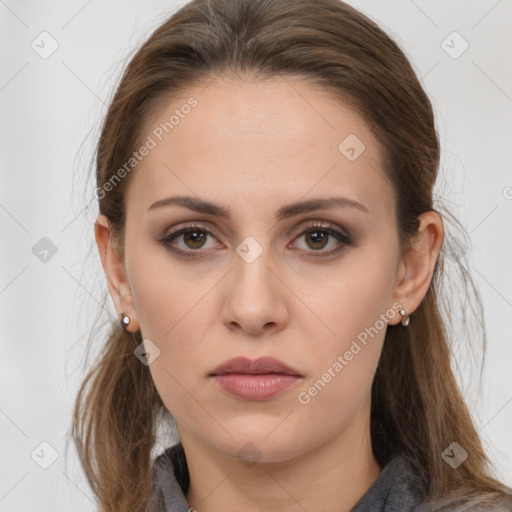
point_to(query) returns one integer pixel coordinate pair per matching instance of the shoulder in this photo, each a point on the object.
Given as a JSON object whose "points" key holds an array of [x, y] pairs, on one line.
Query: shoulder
{"points": [[475, 504], [399, 488], [403, 464]]}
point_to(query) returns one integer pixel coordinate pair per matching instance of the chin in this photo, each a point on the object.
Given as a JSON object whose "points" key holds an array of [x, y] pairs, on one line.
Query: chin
{"points": [[257, 443]]}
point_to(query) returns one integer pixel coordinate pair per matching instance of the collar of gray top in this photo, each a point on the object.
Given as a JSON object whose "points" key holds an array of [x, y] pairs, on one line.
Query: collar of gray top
{"points": [[398, 488]]}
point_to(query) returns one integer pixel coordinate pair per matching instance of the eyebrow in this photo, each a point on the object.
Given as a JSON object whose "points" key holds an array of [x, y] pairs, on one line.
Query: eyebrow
{"points": [[290, 210]]}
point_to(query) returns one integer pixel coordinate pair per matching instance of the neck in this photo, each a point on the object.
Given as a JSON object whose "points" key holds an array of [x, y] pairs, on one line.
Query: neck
{"points": [[331, 477]]}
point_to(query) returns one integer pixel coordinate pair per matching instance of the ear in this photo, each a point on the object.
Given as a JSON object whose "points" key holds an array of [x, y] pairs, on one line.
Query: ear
{"points": [[115, 272], [418, 262]]}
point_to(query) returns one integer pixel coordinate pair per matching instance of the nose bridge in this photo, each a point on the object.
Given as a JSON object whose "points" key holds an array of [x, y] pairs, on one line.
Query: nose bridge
{"points": [[253, 297], [252, 260]]}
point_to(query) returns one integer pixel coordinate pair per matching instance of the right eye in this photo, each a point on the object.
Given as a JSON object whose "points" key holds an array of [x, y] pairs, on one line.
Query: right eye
{"points": [[193, 238]]}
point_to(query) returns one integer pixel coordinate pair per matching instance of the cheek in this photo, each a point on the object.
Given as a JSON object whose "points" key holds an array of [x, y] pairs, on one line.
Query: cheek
{"points": [[354, 306], [175, 312], [352, 297], [163, 294], [343, 365]]}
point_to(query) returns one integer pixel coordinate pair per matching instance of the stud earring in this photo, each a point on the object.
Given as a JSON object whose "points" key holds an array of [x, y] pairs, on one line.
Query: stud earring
{"points": [[124, 320], [405, 317]]}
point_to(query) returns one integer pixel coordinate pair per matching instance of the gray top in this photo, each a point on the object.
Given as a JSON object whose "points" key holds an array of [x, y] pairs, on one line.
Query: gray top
{"points": [[398, 489]]}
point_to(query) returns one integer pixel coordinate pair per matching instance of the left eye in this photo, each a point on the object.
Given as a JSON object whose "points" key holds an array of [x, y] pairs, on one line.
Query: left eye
{"points": [[318, 238]]}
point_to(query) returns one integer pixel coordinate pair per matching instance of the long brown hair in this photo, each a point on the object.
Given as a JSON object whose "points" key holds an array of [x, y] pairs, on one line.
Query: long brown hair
{"points": [[417, 407]]}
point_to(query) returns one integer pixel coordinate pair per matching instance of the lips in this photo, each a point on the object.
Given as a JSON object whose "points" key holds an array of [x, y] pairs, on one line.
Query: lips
{"points": [[255, 380], [262, 365]]}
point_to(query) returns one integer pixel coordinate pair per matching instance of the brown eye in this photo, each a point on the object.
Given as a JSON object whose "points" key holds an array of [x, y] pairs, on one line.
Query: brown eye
{"points": [[194, 238], [189, 240], [317, 239]]}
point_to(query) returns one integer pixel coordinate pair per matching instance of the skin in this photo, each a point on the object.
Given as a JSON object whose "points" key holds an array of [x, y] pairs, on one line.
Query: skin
{"points": [[253, 147]]}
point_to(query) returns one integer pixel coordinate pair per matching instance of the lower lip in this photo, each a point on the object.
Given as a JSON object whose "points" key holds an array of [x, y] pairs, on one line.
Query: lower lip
{"points": [[256, 387]]}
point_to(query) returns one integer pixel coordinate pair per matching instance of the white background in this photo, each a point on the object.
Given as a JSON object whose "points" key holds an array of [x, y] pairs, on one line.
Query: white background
{"points": [[50, 113]]}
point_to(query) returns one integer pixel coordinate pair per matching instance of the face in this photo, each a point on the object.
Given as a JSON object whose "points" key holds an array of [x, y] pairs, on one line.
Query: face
{"points": [[252, 275]]}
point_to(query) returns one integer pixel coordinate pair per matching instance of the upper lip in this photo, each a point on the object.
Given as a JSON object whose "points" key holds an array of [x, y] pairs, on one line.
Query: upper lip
{"points": [[261, 365]]}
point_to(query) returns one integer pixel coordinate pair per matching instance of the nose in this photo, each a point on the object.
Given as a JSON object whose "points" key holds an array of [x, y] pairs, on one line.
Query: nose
{"points": [[254, 298]]}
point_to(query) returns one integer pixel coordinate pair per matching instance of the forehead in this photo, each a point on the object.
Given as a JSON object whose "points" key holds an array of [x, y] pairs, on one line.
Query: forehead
{"points": [[281, 138]]}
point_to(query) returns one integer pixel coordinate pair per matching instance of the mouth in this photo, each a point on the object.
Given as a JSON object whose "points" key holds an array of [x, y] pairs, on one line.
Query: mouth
{"points": [[255, 380], [260, 366]]}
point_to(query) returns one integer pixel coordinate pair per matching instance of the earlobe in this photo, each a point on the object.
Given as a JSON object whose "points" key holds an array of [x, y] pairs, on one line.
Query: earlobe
{"points": [[114, 268], [418, 263]]}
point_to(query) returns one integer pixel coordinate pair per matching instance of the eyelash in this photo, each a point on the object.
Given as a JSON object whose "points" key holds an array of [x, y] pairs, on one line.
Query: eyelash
{"points": [[344, 239]]}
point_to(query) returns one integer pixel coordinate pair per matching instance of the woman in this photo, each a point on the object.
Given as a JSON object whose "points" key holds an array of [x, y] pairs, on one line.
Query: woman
{"points": [[267, 231]]}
